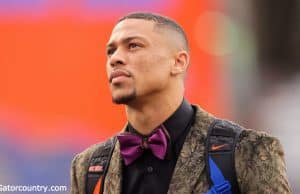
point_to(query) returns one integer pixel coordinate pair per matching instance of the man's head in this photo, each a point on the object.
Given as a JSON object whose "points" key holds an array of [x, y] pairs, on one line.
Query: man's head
{"points": [[147, 56]]}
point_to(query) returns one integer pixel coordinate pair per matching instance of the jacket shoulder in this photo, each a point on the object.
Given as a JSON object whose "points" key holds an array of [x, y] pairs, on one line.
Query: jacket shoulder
{"points": [[99, 147], [80, 164], [259, 161], [260, 165]]}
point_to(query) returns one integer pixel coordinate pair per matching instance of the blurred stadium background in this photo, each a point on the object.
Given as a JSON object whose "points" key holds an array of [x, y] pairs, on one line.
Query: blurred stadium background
{"points": [[54, 97]]}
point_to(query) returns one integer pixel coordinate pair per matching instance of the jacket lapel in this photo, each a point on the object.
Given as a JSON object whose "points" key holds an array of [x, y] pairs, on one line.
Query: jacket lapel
{"points": [[191, 161], [113, 179]]}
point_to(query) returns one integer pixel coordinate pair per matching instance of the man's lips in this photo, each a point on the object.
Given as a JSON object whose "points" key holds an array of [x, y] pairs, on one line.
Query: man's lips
{"points": [[118, 73]]}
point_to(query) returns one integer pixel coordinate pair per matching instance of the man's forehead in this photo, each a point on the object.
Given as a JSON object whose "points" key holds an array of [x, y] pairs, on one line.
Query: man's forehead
{"points": [[132, 28], [134, 24]]}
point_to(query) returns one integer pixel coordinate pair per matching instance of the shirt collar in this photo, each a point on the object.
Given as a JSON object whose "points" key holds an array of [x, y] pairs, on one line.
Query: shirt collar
{"points": [[179, 120]]}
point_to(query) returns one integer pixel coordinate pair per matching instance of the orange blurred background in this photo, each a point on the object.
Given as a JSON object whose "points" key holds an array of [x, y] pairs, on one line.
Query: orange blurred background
{"points": [[54, 98]]}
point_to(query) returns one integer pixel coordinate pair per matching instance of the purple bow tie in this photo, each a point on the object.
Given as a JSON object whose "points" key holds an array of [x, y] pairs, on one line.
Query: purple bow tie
{"points": [[132, 146]]}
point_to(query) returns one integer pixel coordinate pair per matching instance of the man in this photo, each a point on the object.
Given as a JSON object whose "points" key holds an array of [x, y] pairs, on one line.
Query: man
{"points": [[147, 60]]}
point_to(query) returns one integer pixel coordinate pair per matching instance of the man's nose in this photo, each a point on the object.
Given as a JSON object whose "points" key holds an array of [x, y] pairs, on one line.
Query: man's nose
{"points": [[117, 58]]}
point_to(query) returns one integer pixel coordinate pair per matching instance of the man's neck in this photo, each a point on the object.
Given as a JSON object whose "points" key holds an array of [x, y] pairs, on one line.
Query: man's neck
{"points": [[145, 117]]}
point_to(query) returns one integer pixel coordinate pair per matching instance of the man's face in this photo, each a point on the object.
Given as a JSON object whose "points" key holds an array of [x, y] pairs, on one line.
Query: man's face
{"points": [[139, 60]]}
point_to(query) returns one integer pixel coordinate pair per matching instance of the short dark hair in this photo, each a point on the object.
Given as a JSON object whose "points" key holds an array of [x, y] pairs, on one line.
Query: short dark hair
{"points": [[160, 20]]}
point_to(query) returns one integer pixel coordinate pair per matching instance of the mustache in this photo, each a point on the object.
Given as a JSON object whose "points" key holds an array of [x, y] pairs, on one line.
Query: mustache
{"points": [[119, 72]]}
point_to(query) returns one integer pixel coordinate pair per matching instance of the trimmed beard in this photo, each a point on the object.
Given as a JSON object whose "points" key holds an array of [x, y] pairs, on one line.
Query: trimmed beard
{"points": [[125, 99]]}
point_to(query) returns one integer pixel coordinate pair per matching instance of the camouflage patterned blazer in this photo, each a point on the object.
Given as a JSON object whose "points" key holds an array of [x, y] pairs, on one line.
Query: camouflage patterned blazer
{"points": [[259, 161]]}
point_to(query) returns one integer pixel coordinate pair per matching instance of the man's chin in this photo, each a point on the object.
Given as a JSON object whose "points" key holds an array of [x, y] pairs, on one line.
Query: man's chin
{"points": [[124, 99]]}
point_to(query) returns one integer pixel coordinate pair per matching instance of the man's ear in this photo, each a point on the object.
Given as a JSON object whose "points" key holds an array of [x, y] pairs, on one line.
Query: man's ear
{"points": [[181, 62]]}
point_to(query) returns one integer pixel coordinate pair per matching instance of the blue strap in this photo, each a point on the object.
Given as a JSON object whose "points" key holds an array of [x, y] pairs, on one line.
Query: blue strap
{"points": [[220, 185]]}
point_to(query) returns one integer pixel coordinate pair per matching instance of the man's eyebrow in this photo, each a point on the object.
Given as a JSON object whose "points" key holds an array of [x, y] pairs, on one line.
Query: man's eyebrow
{"points": [[126, 40]]}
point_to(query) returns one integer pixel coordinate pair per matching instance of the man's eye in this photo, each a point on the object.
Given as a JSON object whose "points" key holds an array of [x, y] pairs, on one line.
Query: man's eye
{"points": [[133, 45], [110, 51]]}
